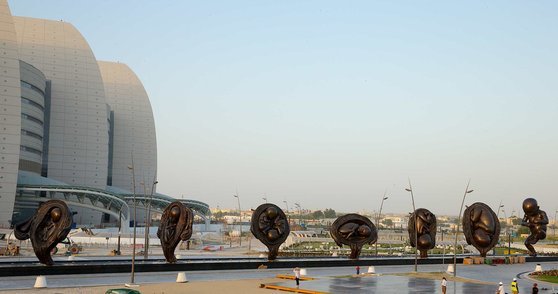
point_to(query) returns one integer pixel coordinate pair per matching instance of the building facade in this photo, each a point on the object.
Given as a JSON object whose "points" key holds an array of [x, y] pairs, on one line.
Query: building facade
{"points": [[134, 127], [10, 114], [70, 126]]}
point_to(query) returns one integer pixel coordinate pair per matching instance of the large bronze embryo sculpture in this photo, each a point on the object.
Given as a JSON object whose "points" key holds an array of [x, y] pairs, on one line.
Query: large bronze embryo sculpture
{"points": [[49, 226], [536, 220], [423, 230], [175, 226], [353, 230], [270, 225], [481, 227]]}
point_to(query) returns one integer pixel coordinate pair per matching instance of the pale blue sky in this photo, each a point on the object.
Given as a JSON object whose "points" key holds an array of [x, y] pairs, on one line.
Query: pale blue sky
{"points": [[331, 103]]}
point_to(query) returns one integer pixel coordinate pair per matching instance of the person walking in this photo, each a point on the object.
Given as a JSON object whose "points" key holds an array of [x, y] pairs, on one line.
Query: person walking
{"points": [[500, 289], [535, 289], [444, 285], [514, 287], [358, 270], [296, 272]]}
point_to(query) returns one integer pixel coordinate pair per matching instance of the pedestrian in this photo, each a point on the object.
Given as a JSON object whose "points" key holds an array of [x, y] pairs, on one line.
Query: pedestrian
{"points": [[514, 287], [358, 270], [296, 272], [444, 285], [535, 289], [500, 289]]}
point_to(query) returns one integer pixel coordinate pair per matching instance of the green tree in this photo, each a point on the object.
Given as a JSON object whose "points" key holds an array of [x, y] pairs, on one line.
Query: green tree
{"points": [[523, 230], [515, 220], [330, 213], [318, 214], [387, 222]]}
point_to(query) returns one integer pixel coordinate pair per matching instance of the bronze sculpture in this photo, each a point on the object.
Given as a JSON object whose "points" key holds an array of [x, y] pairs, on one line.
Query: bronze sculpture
{"points": [[175, 226], [270, 225], [354, 230], [481, 227], [422, 229], [536, 220], [49, 226]]}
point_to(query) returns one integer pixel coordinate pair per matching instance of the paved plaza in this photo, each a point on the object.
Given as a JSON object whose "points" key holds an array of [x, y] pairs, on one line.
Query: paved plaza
{"points": [[332, 280]]}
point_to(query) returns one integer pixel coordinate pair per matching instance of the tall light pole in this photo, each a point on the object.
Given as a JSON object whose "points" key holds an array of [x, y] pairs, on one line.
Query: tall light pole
{"points": [[297, 205], [380, 217], [240, 217], [131, 167], [554, 229], [507, 231], [287, 212], [467, 191], [142, 183], [499, 206], [148, 220], [410, 189], [119, 230]]}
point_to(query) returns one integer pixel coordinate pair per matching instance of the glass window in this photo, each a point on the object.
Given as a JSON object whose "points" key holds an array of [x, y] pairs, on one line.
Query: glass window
{"points": [[32, 87], [31, 118], [33, 103]]}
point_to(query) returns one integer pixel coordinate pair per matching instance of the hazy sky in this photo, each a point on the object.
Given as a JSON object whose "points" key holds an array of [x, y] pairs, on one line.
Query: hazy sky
{"points": [[331, 103]]}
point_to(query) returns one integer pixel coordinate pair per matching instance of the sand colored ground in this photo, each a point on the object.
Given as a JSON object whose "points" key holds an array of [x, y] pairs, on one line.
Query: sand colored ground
{"points": [[248, 286]]}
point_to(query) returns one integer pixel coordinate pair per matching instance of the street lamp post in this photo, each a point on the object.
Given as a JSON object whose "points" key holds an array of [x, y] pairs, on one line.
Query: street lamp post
{"points": [[145, 226], [240, 217], [119, 231], [380, 217], [467, 191], [287, 212], [507, 231], [131, 167], [297, 205], [499, 206], [148, 220], [410, 190]]}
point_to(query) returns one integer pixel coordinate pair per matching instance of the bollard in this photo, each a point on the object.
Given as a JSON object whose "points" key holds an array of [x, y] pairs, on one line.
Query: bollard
{"points": [[40, 282], [450, 269], [303, 272], [371, 270], [538, 268], [181, 277]]}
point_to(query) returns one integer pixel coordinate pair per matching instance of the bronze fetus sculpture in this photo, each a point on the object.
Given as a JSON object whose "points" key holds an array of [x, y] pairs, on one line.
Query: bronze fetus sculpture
{"points": [[354, 230], [536, 220], [422, 229], [481, 227], [175, 226], [270, 225], [49, 226]]}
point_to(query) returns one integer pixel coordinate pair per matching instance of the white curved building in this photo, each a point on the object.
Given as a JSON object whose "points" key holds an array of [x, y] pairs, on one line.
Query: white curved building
{"points": [[10, 114], [78, 145], [134, 128], [69, 126]]}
